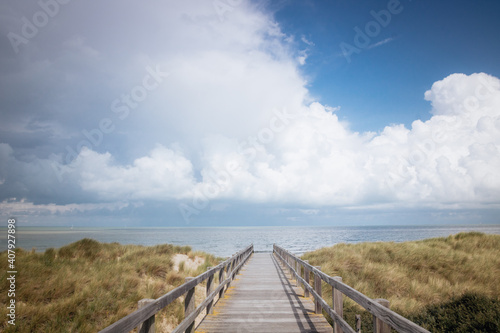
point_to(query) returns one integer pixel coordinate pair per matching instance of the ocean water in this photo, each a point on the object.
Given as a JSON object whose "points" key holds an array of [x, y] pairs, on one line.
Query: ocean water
{"points": [[224, 241]]}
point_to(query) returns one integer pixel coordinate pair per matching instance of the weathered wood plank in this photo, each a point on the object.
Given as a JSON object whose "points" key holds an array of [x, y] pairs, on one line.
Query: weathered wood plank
{"points": [[339, 320], [137, 317], [378, 325], [209, 289], [338, 305], [190, 319], [318, 290], [396, 321], [189, 306], [149, 325], [262, 299]]}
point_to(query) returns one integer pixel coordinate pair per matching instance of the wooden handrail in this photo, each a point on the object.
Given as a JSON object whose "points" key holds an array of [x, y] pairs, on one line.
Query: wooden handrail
{"points": [[345, 326], [191, 317], [396, 321], [139, 316]]}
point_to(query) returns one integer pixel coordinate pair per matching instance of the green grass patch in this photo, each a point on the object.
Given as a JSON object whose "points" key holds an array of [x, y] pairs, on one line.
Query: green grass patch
{"points": [[464, 314]]}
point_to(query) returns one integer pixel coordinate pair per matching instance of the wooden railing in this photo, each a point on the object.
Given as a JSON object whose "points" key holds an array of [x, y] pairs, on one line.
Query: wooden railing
{"points": [[384, 318], [144, 317]]}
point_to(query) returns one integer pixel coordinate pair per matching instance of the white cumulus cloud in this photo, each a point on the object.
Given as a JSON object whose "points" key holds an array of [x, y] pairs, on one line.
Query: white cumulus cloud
{"points": [[308, 156], [232, 121]]}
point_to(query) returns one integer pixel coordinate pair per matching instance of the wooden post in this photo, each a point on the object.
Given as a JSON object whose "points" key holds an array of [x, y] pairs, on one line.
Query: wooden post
{"points": [[299, 268], [358, 324], [149, 325], [317, 289], [228, 274], [210, 287], [297, 271], [189, 305], [338, 305], [222, 277], [306, 277], [378, 325]]}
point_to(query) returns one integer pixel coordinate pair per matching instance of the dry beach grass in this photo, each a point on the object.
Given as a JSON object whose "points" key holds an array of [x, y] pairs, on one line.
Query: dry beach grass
{"points": [[417, 276], [87, 285]]}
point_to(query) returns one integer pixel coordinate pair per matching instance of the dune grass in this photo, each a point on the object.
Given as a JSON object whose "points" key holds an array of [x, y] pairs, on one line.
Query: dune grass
{"points": [[87, 285], [419, 277]]}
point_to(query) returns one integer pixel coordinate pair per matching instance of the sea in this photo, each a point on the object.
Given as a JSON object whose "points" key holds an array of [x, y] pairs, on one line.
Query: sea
{"points": [[225, 241]]}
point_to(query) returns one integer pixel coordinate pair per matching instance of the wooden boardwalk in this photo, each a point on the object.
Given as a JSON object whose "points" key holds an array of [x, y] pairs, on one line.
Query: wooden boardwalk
{"points": [[257, 296], [262, 299]]}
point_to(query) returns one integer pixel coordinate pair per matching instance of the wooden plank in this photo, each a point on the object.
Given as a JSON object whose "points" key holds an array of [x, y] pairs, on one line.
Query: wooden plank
{"points": [[149, 325], [338, 305], [193, 315], [393, 319], [318, 290], [262, 299], [358, 323], [343, 324], [209, 290], [378, 325], [189, 306], [306, 279], [137, 317], [190, 319]]}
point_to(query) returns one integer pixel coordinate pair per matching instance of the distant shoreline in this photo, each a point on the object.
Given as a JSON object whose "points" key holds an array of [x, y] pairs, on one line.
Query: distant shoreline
{"points": [[259, 226], [224, 241]]}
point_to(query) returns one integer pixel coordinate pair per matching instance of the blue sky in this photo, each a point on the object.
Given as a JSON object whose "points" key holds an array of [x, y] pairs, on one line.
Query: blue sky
{"points": [[425, 42], [249, 112]]}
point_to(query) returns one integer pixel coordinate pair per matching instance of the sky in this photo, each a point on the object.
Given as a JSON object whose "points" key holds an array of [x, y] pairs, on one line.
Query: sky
{"points": [[240, 112]]}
